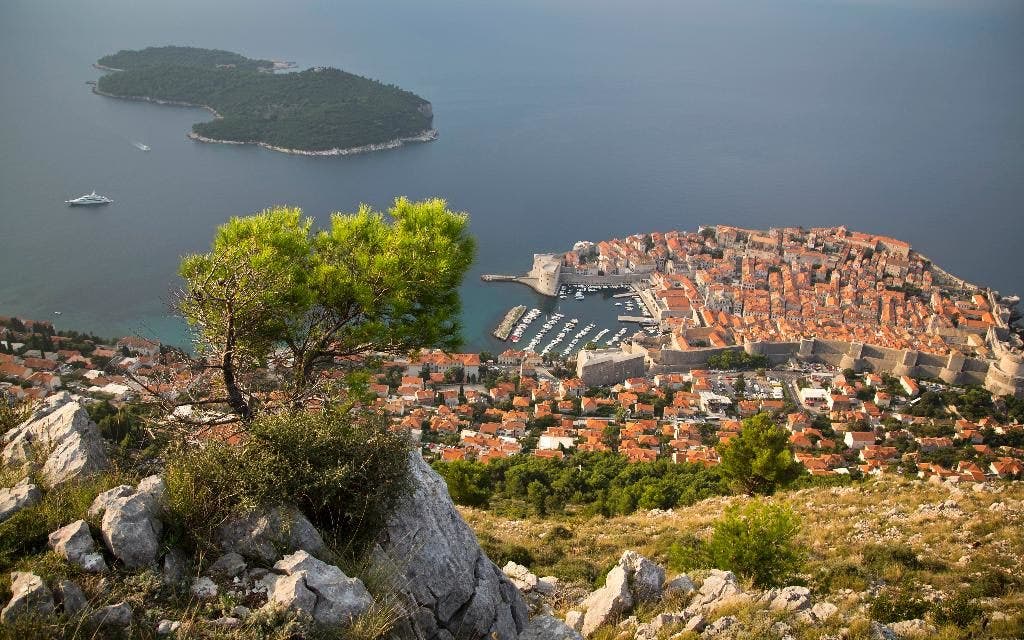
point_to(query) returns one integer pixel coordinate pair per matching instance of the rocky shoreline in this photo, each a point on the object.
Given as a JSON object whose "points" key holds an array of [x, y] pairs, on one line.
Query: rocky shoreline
{"points": [[427, 135]]}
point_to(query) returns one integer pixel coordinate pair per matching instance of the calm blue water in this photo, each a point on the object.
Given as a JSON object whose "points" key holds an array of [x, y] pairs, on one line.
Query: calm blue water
{"points": [[560, 120]]}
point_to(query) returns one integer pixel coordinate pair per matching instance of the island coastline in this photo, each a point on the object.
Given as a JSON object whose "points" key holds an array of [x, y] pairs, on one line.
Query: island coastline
{"points": [[427, 135], [401, 117]]}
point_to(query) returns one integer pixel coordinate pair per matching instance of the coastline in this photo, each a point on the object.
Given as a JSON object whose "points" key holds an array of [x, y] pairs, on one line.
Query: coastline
{"points": [[427, 135]]}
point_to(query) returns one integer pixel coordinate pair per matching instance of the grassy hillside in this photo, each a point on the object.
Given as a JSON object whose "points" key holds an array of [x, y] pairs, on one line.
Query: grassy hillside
{"points": [[891, 549]]}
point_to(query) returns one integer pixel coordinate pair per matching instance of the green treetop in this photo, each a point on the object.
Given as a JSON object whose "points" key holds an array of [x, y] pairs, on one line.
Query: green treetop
{"points": [[758, 459], [273, 292]]}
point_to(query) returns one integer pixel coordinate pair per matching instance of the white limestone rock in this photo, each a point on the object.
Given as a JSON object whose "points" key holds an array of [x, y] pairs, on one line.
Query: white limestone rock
{"points": [[609, 602], [450, 586], [549, 628], [24, 494], [62, 430], [262, 535], [319, 589], [717, 589], [130, 527], [520, 576], [203, 588], [791, 599], [29, 595], [645, 577], [74, 543]]}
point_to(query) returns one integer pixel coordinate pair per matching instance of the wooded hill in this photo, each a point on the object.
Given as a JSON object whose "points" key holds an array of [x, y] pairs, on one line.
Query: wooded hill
{"points": [[314, 110]]}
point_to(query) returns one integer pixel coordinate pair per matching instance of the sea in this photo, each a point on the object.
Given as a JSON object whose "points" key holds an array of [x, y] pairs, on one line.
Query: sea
{"points": [[559, 120]]}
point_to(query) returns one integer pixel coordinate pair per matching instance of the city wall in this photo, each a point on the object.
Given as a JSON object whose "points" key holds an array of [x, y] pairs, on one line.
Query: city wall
{"points": [[1004, 376]]}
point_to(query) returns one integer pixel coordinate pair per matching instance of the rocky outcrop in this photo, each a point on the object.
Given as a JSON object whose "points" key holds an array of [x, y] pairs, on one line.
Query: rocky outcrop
{"points": [[263, 535], [633, 580], [75, 544], [130, 526], [452, 590], [60, 439], [29, 596], [720, 587], [24, 494], [645, 577], [521, 577], [548, 628], [318, 589], [609, 602]]}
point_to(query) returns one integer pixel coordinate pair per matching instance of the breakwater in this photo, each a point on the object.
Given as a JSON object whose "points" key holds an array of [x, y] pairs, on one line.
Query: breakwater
{"points": [[509, 321]]}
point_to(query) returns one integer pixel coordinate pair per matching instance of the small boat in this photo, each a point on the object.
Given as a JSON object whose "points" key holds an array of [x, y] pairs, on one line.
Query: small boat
{"points": [[141, 147], [91, 199]]}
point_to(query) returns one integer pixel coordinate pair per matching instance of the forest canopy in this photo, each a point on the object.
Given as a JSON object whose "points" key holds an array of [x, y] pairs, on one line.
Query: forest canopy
{"points": [[318, 109]]}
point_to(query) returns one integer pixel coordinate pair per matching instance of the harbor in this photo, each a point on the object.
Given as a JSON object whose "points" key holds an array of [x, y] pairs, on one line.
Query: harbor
{"points": [[600, 315]]}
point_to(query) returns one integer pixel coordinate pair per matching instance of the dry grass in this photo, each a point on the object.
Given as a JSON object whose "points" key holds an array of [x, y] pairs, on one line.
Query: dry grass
{"points": [[881, 534]]}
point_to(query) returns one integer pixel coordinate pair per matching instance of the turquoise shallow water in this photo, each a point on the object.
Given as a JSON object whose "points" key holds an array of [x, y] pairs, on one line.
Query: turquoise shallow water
{"points": [[559, 119]]}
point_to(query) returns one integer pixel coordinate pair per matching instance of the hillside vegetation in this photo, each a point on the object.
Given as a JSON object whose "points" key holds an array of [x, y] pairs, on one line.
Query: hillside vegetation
{"points": [[885, 550], [314, 110]]}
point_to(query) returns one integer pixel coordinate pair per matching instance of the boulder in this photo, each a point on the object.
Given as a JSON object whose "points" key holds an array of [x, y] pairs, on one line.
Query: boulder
{"points": [[24, 494], [70, 597], [645, 577], [916, 628], [790, 599], [114, 615], [29, 595], [130, 526], [74, 543], [718, 588], [548, 628], [319, 589], [722, 625], [451, 588], [520, 576], [167, 627], [679, 585], [547, 585], [62, 430], [228, 565], [609, 602], [203, 588], [263, 535], [695, 624]]}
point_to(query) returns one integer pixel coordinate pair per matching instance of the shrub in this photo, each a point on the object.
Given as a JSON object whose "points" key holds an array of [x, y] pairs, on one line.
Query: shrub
{"points": [[756, 540], [894, 605], [345, 472], [879, 556], [501, 553], [960, 610]]}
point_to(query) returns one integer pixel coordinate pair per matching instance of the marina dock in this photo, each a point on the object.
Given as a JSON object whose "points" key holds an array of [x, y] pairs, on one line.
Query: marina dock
{"points": [[638, 319], [509, 321]]}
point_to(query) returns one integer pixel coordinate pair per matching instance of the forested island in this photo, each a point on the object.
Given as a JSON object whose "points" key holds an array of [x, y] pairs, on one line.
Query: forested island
{"points": [[319, 111]]}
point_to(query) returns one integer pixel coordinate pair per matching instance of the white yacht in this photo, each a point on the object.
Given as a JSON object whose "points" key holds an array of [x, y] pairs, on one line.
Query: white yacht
{"points": [[90, 199], [140, 146]]}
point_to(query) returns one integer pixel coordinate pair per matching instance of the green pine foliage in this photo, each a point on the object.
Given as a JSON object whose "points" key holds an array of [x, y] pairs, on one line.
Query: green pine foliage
{"points": [[759, 460], [597, 483], [756, 540]]}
